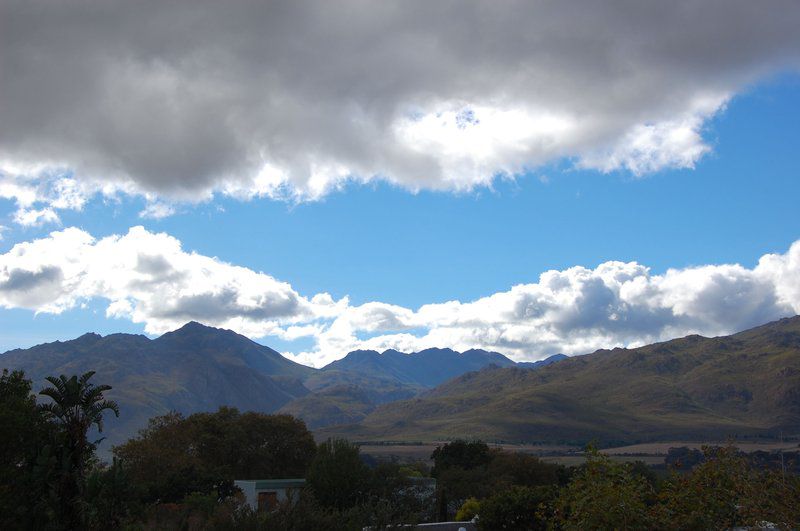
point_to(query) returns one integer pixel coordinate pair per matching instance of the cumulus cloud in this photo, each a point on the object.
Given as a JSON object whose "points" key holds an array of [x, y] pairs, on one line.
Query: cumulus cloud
{"points": [[149, 278], [293, 99]]}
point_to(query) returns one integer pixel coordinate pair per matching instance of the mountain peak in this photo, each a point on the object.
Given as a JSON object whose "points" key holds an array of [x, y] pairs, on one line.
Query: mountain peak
{"points": [[89, 338], [194, 368], [198, 331], [194, 326], [436, 351], [543, 362], [426, 368]]}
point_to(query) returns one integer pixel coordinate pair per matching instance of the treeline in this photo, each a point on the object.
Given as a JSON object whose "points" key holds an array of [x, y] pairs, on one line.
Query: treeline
{"points": [[178, 473], [688, 458], [514, 491]]}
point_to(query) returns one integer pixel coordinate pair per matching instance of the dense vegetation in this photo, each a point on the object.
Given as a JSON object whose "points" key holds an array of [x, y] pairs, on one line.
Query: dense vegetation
{"points": [[178, 474], [46, 451]]}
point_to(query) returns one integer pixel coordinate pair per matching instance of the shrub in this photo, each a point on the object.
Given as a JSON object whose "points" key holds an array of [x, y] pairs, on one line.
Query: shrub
{"points": [[516, 509]]}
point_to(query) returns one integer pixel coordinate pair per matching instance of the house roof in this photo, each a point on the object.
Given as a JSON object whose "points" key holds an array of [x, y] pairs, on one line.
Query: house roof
{"points": [[267, 484]]}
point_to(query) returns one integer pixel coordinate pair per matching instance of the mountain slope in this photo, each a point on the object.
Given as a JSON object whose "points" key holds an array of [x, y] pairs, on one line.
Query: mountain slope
{"points": [[541, 363], [694, 387], [345, 403], [426, 368], [199, 368], [347, 390], [195, 368]]}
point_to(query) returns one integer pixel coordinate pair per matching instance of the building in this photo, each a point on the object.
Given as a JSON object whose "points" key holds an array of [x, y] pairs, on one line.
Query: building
{"points": [[436, 526], [267, 494]]}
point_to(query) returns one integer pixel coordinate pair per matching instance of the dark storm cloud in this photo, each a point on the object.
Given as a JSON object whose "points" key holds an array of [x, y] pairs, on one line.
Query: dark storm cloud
{"points": [[183, 98]]}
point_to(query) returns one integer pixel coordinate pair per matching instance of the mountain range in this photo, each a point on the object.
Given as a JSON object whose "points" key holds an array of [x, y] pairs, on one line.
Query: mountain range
{"points": [[746, 384], [693, 388], [199, 368]]}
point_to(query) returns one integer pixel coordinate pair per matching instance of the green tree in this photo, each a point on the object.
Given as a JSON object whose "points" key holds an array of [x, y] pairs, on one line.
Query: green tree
{"points": [[176, 455], [468, 510], [516, 509], [460, 471], [162, 461], [111, 497], [725, 491], [455, 485], [337, 475], [460, 453], [261, 446], [604, 494], [515, 468], [25, 471], [76, 406]]}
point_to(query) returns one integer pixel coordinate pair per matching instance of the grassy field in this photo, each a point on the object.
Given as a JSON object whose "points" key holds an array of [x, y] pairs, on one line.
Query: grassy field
{"points": [[650, 453]]}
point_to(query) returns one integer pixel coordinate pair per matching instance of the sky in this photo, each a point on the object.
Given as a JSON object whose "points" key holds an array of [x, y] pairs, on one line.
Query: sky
{"points": [[528, 178]]}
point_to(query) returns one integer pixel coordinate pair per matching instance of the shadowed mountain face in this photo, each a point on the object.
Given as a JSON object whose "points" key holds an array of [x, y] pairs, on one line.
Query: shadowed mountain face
{"points": [[426, 368], [195, 368], [689, 388], [541, 363], [347, 390]]}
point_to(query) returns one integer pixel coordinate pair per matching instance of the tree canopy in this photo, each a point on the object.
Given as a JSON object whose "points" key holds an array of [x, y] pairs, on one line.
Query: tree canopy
{"points": [[337, 476], [177, 455]]}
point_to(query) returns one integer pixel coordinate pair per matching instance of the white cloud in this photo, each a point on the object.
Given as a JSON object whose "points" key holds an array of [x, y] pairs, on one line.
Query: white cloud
{"points": [[29, 217], [148, 278], [672, 143], [157, 210], [40, 194], [187, 99]]}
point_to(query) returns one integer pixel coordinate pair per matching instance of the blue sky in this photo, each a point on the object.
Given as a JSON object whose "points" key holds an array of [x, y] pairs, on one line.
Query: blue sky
{"points": [[392, 246], [378, 242]]}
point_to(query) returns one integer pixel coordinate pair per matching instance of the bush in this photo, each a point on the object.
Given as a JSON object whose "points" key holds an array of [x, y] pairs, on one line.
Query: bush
{"points": [[605, 495], [468, 510], [725, 491], [111, 497], [516, 509]]}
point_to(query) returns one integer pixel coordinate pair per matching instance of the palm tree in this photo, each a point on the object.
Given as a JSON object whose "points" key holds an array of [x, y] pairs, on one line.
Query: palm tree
{"points": [[76, 406]]}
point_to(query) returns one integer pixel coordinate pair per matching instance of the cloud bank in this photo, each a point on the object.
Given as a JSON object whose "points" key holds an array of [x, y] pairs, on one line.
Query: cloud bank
{"points": [[148, 278], [182, 100]]}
